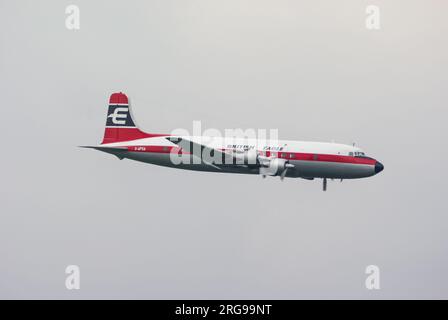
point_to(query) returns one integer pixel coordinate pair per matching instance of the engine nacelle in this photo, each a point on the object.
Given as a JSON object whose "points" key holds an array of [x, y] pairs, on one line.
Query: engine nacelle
{"points": [[275, 167]]}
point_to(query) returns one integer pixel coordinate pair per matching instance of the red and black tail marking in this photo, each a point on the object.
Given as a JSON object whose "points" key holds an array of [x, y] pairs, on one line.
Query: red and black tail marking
{"points": [[120, 125]]}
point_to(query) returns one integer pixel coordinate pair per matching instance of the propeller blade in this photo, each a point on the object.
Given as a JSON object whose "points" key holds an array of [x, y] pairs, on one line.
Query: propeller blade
{"points": [[287, 166], [282, 176], [325, 184]]}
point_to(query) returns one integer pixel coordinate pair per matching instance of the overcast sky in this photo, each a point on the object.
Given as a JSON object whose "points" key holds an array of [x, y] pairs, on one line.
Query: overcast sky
{"points": [[310, 69]]}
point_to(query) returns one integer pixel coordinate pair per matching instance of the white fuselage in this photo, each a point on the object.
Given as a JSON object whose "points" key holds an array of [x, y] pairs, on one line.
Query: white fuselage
{"points": [[310, 159]]}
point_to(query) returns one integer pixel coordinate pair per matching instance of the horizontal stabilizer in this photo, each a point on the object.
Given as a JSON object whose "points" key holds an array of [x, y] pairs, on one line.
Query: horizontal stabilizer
{"points": [[117, 151]]}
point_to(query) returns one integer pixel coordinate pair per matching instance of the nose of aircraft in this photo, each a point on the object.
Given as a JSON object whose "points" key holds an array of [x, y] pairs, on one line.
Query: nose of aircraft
{"points": [[378, 167]]}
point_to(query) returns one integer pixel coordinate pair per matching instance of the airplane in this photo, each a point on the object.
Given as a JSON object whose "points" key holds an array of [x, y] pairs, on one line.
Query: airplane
{"points": [[283, 158]]}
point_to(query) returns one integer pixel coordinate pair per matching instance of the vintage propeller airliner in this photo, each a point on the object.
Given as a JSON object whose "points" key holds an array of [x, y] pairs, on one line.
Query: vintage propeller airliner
{"points": [[283, 158]]}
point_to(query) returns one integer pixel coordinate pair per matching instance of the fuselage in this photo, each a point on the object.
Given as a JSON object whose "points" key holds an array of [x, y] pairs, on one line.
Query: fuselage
{"points": [[310, 159]]}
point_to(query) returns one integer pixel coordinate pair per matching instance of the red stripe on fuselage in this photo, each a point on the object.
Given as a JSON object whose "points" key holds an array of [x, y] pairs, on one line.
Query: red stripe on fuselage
{"points": [[156, 149], [293, 156]]}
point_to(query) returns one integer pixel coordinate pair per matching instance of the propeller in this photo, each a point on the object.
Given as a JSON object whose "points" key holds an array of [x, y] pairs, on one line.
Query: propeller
{"points": [[325, 184], [274, 167], [287, 166]]}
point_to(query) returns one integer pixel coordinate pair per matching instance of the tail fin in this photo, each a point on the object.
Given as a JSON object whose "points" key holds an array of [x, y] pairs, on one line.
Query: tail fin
{"points": [[120, 125]]}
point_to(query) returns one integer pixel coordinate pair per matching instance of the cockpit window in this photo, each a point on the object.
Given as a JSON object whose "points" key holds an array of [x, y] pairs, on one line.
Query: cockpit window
{"points": [[357, 154]]}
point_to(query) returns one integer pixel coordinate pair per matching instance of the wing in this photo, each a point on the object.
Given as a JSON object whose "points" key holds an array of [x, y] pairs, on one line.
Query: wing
{"points": [[210, 156]]}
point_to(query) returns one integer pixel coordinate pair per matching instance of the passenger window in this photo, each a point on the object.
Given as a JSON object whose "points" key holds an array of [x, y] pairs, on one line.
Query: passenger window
{"points": [[291, 156], [350, 154]]}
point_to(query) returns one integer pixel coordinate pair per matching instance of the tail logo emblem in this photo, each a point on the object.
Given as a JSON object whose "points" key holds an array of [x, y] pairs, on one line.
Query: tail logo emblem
{"points": [[117, 115]]}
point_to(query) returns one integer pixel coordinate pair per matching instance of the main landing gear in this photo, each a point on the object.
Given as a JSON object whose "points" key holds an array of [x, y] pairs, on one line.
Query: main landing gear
{"points": [[324, 185]]}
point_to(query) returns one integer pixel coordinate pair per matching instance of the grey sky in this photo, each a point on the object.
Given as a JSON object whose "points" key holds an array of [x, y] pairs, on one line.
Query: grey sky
{"points": [[309, 68]]}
